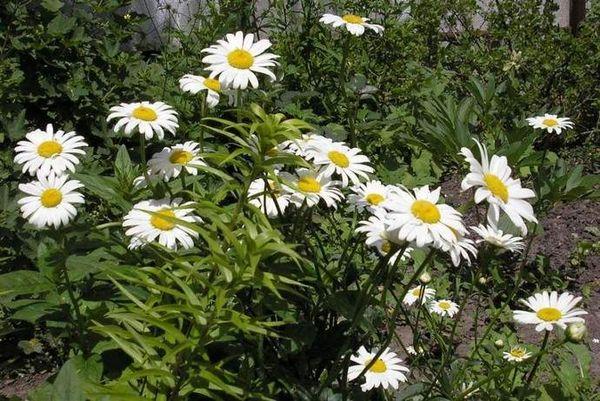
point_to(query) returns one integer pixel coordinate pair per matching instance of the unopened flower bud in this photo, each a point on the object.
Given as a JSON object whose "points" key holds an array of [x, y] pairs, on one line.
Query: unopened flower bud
{"points": [[499, 344], [425, 278], [576, 332], [482, 280]]}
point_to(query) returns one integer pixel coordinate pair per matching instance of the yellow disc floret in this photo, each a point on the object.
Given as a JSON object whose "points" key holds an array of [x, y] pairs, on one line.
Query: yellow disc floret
{"points": [[386, 246], [352, 19], [374, 199], [158, 220], [425, 211], [378, 367], [49, 148], [212, 84], [549, 314], [496, 187], [518, 352], [180, 157], [144, 113], [309, 184], [550, 122], [240, 59], [51, 197], [445, 305], [338, 158]]}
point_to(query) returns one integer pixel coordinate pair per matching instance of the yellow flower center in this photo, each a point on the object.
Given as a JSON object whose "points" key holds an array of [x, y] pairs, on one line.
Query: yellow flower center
{"points": [[374, 199], [272, 152], [51, 197], [180, 157], [49, 148], [425, 211], [240, 59], [212, 84], [386, 246], [496, 187], [417, 292], [144, 113], [378, 367], [158, 220], [338, 158], [445, 305], [518, 352], [549, 314], [352, 19], [309, 184], [550, 122]]}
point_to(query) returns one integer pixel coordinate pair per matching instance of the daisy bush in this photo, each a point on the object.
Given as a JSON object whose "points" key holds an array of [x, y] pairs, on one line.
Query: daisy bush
{"points": [[215, 243]]}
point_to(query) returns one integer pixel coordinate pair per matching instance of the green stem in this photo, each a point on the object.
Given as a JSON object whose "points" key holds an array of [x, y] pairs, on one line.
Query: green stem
{"points": [[202, 115], [72, 298], [494, 375], [537, 361], [391, 325]]}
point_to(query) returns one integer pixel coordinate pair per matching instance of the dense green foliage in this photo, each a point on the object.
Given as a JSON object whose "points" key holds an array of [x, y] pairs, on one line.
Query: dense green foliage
{"points": [[272, 309]]}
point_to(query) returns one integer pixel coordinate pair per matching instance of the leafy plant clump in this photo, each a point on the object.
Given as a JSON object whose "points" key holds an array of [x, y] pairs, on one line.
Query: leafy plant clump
{"points": [[251, 213]]}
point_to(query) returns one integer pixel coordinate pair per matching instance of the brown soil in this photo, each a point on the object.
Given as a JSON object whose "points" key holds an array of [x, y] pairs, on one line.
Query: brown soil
{"points": [[564, 227]]}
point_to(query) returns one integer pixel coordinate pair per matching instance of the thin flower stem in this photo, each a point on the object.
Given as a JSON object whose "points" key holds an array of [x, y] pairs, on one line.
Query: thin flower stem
{"points": [[537, 362], [500, 372], [202, 115], [509, 298], [390, 334]]}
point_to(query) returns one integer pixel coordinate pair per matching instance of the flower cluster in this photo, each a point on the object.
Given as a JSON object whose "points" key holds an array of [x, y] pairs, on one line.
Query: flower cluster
{"points": [[50, 156]]}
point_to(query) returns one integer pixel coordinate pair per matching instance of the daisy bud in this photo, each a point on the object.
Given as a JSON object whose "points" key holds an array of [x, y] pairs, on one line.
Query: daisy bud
{"points": [[576, 332], [482, 280], [499, 344], [425, 278]]}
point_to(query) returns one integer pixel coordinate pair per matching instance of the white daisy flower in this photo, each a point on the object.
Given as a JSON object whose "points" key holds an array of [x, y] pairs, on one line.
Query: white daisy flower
{"points": [[337, 158], [147, 223], [443, 307], [420, 219], [494, 236], [387, 370], [195, 83], [379, 235], [550, 122], [171, 161], [516, 354], [50, 201], [148, 118], [237, 58], [461, 248], [549, 310], [306, 146], [414, 294], [47, 151], [307, 186], [495, 185], [354, 24], [263, 199], [370, 195]]}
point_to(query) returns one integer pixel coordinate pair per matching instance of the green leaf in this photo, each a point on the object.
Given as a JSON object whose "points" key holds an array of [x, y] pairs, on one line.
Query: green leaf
{"points": [[104, 187], [52, 5], [22, 282], [60, 25], [67, 386]]}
